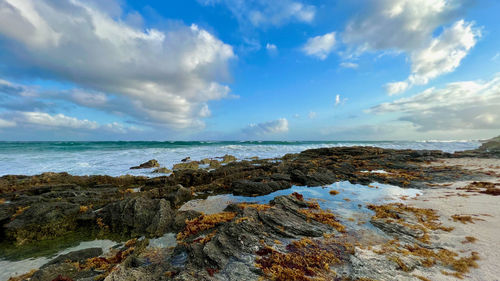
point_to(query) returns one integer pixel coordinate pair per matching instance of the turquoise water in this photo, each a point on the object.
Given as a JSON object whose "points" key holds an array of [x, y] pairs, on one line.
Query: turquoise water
{"points": [[115, 158]]}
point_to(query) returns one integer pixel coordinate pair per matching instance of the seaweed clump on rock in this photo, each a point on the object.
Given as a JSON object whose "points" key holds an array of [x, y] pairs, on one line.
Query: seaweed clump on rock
{"points": [[230, 243]]}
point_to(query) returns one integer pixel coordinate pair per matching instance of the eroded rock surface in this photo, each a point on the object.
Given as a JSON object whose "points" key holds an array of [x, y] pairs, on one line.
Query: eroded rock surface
{"points": [[153, 163]]}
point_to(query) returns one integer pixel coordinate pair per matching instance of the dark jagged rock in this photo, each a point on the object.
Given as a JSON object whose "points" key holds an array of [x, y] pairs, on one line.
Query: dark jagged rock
{"points": [[232, 249], [138, 216], [181, 195], [38, 184], [491, 145], [320, 177], [75, 256], [214, 164], [250, 188], [153, 163], [488, 149], [89, 264], [43, 220], [61, 270], [162, 170], [193, 165], [181, 217], [228, 158]]}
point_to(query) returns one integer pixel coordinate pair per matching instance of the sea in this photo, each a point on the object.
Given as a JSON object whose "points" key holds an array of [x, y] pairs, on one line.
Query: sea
{"points": [[116, 158]]}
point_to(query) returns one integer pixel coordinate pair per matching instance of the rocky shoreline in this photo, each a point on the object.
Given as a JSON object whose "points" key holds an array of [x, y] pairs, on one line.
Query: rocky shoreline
{"points": [[289, 238]]}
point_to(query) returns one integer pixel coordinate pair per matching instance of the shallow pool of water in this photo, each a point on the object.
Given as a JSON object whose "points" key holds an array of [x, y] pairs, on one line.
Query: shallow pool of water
{"points": [[349, 204], [14, 268], [165, 241]]}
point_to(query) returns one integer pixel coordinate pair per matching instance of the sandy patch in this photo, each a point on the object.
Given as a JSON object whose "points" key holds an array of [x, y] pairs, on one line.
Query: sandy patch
{"points": [[485, 165], [484, 210]]}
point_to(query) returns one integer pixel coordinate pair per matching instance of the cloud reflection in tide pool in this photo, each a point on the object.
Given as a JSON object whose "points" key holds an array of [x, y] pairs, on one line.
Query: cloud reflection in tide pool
{"points": [[349, 205]]}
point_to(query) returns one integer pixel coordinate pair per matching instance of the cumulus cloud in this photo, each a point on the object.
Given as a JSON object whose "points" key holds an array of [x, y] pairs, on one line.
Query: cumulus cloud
{"points": [[320, 46], [442, 55], [59, 122], [18, 97], [167, 76], [398, 24], [263, 13], [460, 105], [409, 26], [267, 128], [395, 88]]}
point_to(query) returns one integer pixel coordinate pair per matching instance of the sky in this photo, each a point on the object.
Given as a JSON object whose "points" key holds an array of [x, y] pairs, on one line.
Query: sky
{"points": [[249, 70]]}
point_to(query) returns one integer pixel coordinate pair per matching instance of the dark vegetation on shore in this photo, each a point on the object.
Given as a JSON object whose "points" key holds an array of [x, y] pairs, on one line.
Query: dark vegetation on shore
{"points": [[243, 242]]}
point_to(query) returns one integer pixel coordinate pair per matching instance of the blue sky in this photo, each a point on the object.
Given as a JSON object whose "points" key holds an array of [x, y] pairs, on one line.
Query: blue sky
{"points": [[256, 69]]}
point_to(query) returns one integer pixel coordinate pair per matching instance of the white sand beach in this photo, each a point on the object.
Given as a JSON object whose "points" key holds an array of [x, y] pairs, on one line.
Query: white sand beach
{"points": [[484, 210]]}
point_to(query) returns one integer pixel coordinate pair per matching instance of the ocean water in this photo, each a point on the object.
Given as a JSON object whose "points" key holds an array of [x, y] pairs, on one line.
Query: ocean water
{"points": [[115, 158]]}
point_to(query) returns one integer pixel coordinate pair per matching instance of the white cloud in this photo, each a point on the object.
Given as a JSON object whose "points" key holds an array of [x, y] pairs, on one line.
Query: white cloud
{"points": [[262, 13], [398, 24], [271, 49], [41, 120], [443, 55], [167, 76], [57, 120], [349, 65], [339, 100], [312, 115], [496, 56], [6, 123], [409, 26], [89, 99], [458, 106], [395, 88], [320, 46], [270, 127], [13, 89]]}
